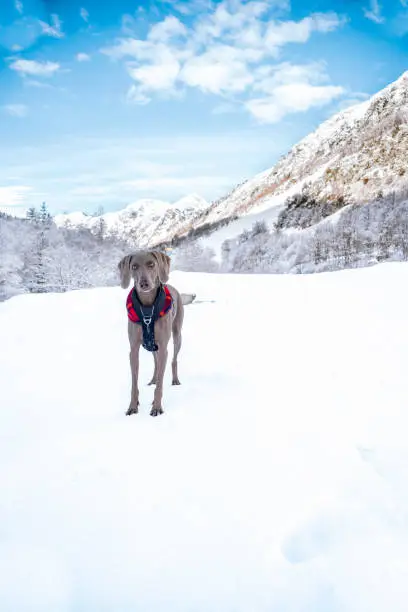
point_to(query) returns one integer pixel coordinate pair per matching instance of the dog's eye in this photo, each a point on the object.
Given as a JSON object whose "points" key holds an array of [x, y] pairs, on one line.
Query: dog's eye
{"points": [[150, 264], [134, 266]]}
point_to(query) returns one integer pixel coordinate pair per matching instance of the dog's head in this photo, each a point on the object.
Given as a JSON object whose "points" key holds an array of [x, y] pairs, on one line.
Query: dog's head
{"points": [[147, 268]]}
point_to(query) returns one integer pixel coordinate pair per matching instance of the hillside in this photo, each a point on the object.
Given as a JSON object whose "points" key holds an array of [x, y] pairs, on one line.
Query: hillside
{"points": [[142, 223], [275, 480], [351, 158], [354, 157]]}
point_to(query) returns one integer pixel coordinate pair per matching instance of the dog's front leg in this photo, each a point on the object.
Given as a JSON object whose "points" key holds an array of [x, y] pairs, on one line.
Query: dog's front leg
{"points": [[134, 367], [161, 361], [154, 377]]}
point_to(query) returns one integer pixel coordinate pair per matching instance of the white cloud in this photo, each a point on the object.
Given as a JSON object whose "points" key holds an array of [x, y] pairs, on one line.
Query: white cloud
{"points": [[19, 6], [156, 69], [167, 29], [282, 33], [218, 70], [54, 29], [188, 7], [292, 98], [84, 14], [34, 68], [221, 52], [82, 57], [157, 76], [130, 47], [13, 195], [16, 110], [374, 12], [268, 78], [228, 20], [291, 88]]}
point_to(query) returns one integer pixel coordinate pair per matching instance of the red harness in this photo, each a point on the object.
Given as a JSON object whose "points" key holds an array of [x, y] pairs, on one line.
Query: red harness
{"points": [[134, 317]]}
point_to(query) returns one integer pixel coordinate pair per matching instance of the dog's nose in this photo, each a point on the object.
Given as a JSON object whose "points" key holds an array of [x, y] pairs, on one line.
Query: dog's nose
{"points": [[144, 283]]}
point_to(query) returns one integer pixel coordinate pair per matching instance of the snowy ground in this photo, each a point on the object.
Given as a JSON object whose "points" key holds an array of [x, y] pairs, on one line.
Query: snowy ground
{"points": [[276, 480]]}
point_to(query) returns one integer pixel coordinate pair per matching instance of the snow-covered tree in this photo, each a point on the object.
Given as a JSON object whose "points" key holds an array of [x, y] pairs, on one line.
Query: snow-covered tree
{"points": [[191, 256]]}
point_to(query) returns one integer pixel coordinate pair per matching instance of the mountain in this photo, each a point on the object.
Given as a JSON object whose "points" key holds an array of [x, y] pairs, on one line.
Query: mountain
{"points": [[354, 157], [145, 222]]}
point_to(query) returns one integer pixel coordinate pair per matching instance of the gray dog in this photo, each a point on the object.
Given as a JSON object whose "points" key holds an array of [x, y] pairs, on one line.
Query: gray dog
{"points": [[150, 270]]}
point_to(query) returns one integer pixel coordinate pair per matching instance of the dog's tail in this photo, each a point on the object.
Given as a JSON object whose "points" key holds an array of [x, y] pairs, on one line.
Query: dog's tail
{"points": [[187, 298]]}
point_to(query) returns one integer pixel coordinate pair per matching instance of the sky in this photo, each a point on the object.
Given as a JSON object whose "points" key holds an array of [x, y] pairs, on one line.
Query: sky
{"points": [[104, 103]]}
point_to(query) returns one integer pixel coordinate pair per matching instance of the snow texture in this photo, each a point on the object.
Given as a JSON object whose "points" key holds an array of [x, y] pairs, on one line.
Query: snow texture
{"points": [[275, 480]]}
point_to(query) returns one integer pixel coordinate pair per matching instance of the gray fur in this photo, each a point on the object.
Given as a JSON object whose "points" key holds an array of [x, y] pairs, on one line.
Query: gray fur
{"points": [[148, 269]]}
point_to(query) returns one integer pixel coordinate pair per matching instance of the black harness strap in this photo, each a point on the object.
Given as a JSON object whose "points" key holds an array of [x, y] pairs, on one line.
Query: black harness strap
{"points": [[148, 315]]}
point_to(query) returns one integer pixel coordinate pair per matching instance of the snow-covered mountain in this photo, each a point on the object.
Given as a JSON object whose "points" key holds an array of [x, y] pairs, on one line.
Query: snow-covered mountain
{"points": [[145, 222], [353, 157]]}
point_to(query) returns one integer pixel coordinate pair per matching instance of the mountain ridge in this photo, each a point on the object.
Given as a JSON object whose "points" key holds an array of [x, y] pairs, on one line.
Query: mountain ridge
{"points": [[352, 157], [141, 222]]}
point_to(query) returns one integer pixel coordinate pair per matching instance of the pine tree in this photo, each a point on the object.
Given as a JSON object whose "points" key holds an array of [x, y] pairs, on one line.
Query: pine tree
{"points": [[100, 229], [317, 249], [32, 214], [44, 215]]}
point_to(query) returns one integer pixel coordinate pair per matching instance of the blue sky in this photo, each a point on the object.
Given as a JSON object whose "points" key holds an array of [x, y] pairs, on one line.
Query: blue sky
{"points": [[103, 103]]}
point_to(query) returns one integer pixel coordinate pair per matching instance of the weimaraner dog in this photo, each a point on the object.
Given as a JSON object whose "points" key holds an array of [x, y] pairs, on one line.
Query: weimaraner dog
{"points": [[149, 270]]}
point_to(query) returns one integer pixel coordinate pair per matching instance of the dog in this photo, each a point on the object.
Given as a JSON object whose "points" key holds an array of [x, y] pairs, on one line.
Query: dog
{"points": [[150, 270]]}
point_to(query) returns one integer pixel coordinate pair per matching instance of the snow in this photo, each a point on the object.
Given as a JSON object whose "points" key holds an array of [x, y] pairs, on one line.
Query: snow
{"points": [[266, 211], [75, 218], [150, 208], [145, 222], [275, 480], [156, 207], [349, 144], [232, 230], [193, 200]]}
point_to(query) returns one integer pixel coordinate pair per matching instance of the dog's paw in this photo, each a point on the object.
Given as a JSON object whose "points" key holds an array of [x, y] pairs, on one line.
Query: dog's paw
{"points": [[152, 382], [155, 411], [133, 409], [175, 381]]}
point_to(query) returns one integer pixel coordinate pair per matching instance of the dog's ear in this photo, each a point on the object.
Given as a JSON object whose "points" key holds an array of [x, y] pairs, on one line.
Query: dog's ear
{"points": [[163, 262], [124, 271]]}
